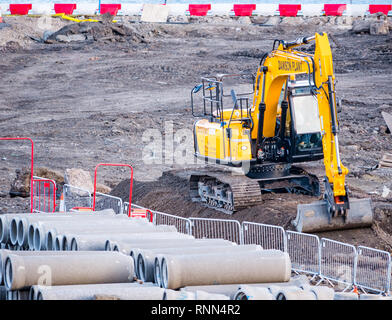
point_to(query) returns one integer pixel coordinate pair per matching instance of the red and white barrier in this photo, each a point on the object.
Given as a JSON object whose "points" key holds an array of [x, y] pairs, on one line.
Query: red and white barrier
{"points": [[211, 9]]}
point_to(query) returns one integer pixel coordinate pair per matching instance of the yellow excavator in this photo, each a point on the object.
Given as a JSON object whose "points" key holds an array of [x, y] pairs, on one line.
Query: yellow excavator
{"points": [[252, 147]]}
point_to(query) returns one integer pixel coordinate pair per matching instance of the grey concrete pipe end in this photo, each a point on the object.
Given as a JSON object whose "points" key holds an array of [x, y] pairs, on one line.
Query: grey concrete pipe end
{"points": [[74, 244], [253, 293], [50, 240], [14, 269], [22, 231], [108, 246], [39, 238], [30, 235], [141, 268], [13, 230], [3, 228], [157, 272], [58, 243], [65, 246]]}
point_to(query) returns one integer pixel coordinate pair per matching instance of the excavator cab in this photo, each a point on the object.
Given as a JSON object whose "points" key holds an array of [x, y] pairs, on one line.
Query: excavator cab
{"points": [[305, 128]]}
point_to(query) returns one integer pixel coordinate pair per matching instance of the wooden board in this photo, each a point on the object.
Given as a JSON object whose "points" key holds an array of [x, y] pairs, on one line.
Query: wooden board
{"points": [[154, 13]]}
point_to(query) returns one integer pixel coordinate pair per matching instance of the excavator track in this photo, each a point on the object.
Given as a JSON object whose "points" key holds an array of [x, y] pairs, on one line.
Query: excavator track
{"points": [[228, 192]]}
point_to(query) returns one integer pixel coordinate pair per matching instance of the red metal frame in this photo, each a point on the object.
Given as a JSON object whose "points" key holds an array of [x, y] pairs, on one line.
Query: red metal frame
{"points": [[114, 165], [47, 183], [112, 8], [32, 165]]}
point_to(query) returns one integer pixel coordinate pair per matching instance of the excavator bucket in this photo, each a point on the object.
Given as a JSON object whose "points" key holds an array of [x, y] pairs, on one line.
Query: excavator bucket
{"points": [[314, 217]]}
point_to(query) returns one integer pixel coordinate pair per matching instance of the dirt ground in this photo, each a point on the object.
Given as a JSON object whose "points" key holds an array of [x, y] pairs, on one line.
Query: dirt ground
{"points": [[96, 99]]}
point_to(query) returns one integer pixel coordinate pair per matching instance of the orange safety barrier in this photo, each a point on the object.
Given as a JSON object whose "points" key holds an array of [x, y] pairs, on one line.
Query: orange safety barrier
{"points": [[289, 10], [384, 8], [20, 8], [199, 9], [334, 9], [244, 9], [111, 8], [66, 8]]}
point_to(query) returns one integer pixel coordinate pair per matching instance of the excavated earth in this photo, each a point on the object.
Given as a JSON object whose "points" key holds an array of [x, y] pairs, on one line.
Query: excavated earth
{"points": [[97, 94]]}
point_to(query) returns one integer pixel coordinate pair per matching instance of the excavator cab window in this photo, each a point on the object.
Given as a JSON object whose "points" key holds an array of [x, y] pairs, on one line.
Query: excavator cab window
{"points": [[306, 129]]}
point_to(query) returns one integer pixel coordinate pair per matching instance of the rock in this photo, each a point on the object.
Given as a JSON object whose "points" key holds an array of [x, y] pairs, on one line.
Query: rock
{"points": [[20, 187], [70, 38], [179, 19], [103, 189], [292, 21], [259, 19], [79, 178], [379, 27], [360, 26], [273, 21], [244, 20]]}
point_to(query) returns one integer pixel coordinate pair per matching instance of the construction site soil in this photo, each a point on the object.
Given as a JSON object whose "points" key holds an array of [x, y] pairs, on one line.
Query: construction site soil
{"points": [[97, 94]]}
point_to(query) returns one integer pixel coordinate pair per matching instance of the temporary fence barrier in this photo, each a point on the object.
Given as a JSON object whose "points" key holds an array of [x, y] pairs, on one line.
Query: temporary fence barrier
{"points": [[268, 236], [107, 201], [43, 194], [338, 262], [373, 270], [75, 197], [304, 252], [217, 228]]}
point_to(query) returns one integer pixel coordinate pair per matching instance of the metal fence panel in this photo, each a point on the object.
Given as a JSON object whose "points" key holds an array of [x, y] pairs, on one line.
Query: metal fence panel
{"points": [[183, 225], [268, 236], [338, 261], [304, 252], [106, 201], [217, 228], [373, 269], [43, 194], [75, 197]]}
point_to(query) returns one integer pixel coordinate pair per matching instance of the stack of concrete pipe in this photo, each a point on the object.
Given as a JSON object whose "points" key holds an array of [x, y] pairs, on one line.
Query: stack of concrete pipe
{"points": [[98, 255]]}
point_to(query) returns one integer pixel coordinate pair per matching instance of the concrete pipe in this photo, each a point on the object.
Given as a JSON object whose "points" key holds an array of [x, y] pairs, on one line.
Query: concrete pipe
{"points": [[130, 292], [13, 230], [321, 292], [126, 228], [145, 259], [4, 254], [82, 292], [225, 268], [295, 294], [131, 247], [253, 293], [345, 296], [188, 295], [84, 227], [106, 267], [98, 241]]}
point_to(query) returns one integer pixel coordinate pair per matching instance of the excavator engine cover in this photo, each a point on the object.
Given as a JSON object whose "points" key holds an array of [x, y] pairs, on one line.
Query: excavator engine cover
{"points": [[314, 217]]}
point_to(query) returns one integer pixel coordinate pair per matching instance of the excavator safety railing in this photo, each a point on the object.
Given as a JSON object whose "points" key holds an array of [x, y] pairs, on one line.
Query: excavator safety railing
{"points": [[213, 95]]}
